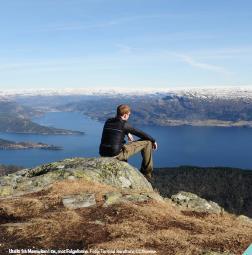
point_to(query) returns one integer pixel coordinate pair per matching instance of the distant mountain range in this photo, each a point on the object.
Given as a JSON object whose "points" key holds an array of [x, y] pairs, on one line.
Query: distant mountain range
{"points": [[171, 107], [196, 108]]}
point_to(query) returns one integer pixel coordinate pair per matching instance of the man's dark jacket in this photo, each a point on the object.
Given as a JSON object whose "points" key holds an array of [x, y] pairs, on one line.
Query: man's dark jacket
{"points": [[113, 134]]}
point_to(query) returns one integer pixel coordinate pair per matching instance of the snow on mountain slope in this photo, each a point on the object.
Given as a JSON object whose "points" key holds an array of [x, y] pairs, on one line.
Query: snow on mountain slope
{"points": [[229, 92]]}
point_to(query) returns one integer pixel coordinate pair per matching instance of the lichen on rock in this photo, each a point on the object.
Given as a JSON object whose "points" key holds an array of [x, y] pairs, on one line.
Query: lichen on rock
{"points": [[194, 202], [105, 170]]}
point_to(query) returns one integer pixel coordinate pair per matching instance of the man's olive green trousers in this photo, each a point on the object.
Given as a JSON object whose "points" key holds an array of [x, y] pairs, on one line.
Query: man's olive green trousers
{"points": [[145, 147]]}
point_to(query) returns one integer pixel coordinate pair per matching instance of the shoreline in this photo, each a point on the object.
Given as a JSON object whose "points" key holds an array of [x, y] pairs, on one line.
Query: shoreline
{"points": [[11, 145]]}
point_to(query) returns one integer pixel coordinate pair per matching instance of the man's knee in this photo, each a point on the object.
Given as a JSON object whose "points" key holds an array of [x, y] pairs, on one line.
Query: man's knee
{"points": [[148, 144]]}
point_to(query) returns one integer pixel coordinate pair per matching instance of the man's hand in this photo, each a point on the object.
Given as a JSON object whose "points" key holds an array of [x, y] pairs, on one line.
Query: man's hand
{"points": [[154, 146], [130, 137]]}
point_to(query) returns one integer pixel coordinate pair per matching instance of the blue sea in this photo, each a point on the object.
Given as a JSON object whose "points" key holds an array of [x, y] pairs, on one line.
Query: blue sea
{"points": [[198, 146]]}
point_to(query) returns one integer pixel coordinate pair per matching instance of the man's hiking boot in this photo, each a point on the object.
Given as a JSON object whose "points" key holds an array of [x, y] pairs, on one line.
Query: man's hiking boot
{"points": [[149, 178]]}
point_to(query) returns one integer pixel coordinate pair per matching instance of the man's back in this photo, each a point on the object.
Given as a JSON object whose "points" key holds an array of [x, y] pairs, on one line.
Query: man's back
{"points": [[112, 137]]}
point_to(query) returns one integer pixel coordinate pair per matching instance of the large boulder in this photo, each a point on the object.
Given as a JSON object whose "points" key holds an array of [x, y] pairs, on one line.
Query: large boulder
{"points": [[230, 188], [104, 170], [195, 203]]}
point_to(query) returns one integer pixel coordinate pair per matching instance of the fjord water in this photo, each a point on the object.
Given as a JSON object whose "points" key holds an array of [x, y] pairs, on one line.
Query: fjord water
{"points": [[198, 146]]}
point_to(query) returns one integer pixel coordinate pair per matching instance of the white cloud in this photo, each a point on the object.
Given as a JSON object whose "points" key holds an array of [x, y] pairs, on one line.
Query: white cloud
{"points": [[201, 65], [224, 53], [108, 23]]}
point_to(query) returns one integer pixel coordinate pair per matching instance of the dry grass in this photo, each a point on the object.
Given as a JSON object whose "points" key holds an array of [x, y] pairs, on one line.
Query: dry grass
{"points": [[150, 225]]}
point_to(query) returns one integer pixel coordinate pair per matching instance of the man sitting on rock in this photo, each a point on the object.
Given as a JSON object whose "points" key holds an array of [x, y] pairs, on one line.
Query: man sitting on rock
{"points": [[113, 143]]}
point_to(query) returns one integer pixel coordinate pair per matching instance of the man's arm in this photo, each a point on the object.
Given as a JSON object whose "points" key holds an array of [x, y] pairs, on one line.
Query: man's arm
{"points": [[130, 137], [137, 132]]}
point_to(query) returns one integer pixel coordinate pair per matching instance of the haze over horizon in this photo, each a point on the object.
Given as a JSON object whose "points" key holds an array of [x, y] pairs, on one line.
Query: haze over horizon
{"points": [[132, 44]]}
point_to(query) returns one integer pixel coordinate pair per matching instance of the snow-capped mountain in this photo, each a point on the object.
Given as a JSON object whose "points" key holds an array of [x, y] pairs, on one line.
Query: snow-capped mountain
{"points": [[222, 92], [163, 107]]}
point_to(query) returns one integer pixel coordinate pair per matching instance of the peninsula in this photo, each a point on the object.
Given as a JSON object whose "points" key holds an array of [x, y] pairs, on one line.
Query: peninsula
{"points": [[10, 145], [15, 118]]}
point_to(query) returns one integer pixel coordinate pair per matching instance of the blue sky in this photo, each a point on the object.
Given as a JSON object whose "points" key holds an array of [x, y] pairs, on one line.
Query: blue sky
{"points": [[125, 43]]}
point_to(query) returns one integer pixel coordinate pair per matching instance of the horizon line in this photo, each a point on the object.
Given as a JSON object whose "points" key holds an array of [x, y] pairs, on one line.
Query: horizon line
{"points": [[116, 89]]}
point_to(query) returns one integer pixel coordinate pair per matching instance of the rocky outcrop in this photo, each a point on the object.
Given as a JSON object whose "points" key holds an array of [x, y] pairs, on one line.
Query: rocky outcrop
{"points": [[229, 188], [103, 203], [104, 170], [195, 203], [79, 200]]}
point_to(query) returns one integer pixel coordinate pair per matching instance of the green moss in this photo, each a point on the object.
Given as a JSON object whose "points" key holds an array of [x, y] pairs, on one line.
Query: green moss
{"points": [[112, 198], [108, 169], [6, 191], [79, 173]]}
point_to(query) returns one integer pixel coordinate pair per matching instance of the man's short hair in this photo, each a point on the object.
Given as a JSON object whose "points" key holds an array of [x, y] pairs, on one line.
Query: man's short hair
{"points": [[122, 109]]}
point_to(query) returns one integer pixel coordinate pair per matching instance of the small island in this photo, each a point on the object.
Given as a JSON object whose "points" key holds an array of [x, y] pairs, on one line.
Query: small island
{"points": [[10, 145]]}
